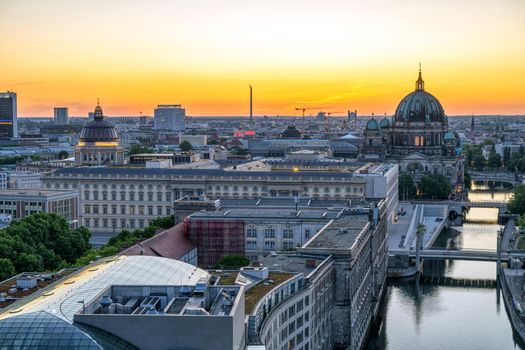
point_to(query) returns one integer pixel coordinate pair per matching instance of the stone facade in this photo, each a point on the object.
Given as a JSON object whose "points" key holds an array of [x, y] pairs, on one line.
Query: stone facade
{"points": [[417, 138]]}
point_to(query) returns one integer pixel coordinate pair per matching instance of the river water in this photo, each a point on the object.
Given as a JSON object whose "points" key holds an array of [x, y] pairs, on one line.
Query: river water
{"points": [[441, 317]]}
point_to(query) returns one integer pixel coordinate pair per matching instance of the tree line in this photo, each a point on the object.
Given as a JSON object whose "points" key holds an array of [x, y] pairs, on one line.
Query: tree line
{"points": [[45, 242], [510, 161], [433, 186]]}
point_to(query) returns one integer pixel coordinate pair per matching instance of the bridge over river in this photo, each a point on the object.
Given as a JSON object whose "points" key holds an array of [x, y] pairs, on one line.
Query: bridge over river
{"points": [[467, 204], [459, 254], [514, 179]]}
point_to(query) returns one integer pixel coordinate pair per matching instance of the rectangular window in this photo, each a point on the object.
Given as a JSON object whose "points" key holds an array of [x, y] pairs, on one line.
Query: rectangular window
{"points": [[287, 233], [251, 232], [269, 233], [307, 233]]}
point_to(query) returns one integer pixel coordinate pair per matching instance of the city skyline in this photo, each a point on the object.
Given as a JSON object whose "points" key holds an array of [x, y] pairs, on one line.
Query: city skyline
{"points": [[334, 55]]}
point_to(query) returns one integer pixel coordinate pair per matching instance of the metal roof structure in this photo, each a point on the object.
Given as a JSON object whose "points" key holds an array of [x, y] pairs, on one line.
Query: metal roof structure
{"points": [[65, 298]]}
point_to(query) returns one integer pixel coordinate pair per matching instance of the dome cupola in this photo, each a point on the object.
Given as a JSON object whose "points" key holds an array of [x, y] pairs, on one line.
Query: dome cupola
{"points": [[420, 106], [384, 123], [372, 124], [98, 130]]}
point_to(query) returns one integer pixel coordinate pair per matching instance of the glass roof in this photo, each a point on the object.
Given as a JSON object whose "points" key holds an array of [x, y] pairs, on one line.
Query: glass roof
{"points": [[66, 298], [40, 330], [107, 340]]}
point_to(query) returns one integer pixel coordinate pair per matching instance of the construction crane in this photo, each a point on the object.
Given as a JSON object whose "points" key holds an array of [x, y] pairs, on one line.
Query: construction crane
{"points": [[327, 122], [304, 109]]}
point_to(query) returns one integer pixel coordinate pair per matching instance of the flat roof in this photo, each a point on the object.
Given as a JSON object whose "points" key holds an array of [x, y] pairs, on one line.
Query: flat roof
{"points": [[339, 234], [194, 172], [292, 263], [34, 192], [261, 213]]}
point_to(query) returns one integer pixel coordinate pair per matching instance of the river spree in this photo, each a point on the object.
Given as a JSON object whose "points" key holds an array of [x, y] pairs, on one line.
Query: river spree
{"points": [[441, 317]]}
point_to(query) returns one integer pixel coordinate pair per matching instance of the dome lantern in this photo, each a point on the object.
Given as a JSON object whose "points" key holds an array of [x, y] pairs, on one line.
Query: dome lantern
{"points": [[420, 83]]}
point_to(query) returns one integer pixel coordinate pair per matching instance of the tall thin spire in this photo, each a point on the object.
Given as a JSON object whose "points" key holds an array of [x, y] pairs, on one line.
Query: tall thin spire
{"points": [[251, 106], [420, 84]]}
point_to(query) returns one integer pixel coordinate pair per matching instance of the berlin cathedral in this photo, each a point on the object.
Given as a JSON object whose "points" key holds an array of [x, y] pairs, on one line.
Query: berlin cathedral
{"points": [[417, 138]]}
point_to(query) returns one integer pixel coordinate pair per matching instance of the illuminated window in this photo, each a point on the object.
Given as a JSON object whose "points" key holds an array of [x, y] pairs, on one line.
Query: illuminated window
{"points": [[419, 141]]}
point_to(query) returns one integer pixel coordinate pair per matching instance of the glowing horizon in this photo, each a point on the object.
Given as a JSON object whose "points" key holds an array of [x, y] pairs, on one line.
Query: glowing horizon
{"points": [[339, 55]]}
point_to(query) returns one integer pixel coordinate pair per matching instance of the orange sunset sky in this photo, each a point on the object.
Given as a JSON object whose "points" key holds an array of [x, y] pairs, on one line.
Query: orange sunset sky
{"points": [[335, 54]]}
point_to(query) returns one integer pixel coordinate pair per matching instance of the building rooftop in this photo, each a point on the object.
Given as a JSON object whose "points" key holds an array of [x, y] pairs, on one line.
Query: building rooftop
{"points": [[191, 172], [257, 292], [293, 263], [62, 298], [238, 213], [170, 243], [340, 234], [34, 192]]}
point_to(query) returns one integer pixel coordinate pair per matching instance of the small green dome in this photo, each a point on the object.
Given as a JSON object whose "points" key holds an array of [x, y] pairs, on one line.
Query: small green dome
{"points": [[449, 136], [372, 124], [384, 123]]}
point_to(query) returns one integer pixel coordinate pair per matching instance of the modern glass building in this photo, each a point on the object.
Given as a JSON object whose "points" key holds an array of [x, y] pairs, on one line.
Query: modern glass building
{"points": [[61, 116], [8, 117]]}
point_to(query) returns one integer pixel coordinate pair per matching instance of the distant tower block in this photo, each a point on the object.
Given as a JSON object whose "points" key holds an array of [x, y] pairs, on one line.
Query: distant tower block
{"points": [[352, 115], [472, 124]]}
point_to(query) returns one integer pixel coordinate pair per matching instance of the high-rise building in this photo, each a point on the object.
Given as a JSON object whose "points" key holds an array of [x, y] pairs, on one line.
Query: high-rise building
{"points": [[8, 118], [352, 115], [169, 117], [61, 116]]}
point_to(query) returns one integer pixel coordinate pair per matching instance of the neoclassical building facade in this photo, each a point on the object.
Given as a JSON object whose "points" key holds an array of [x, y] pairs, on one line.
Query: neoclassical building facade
{"points": [[98, 143], [417, 138]]}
